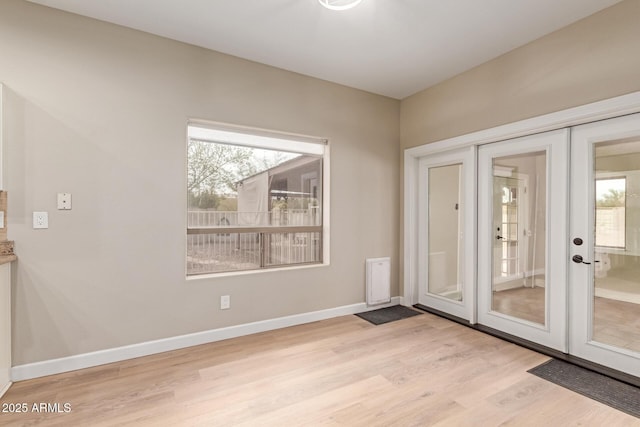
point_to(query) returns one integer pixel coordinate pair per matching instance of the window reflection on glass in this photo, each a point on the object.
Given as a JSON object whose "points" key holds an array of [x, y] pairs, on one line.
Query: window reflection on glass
{"points": [[611, 212], [519, 236], [445, 230], [617, 244]]}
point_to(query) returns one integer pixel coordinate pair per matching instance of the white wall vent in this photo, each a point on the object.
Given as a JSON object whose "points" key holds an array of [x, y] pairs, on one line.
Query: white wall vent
{"points": [[378, 280]]}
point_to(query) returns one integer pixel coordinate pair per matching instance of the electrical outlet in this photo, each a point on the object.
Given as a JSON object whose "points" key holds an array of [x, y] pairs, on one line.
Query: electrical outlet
{"points": [[40, 220], [225, 302]]}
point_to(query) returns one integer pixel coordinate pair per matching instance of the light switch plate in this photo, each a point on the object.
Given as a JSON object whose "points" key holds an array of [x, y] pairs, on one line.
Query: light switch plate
{"points": [[64, 201], [1, 219], [225, 302], [40, 220]]}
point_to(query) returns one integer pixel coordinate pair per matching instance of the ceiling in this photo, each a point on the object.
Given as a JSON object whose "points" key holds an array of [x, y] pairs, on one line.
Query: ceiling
{"points": [[390, 47]]}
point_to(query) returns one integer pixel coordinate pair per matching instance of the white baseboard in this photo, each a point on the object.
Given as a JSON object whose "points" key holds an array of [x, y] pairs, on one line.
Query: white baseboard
{"points": [[506, 285], [517, 282], [96, 358], [617, 295]]}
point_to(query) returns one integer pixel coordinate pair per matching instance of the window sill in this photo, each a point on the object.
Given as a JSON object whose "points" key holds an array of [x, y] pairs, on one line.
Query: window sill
{"points": [[257, 271]]}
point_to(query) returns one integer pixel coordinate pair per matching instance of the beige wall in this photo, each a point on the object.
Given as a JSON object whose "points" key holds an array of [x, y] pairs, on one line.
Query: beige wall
{"points": [[100, 111], [594, 59]]}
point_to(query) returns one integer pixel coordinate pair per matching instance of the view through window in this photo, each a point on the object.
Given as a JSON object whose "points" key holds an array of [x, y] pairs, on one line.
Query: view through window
{"points": [[611, 212], [254, 200]]}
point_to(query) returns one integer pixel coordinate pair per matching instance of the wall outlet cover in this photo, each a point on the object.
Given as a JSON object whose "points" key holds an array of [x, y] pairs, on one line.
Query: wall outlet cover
{"points": [[40, 220]]}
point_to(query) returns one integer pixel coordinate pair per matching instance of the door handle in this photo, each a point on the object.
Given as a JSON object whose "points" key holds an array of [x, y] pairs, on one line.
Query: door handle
{"points": [[579, 260], [499, 238]]}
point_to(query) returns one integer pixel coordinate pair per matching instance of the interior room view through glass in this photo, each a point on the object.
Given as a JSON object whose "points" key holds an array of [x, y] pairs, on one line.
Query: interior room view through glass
{"points": [[519, 225], [445, 232], [616, 278]]}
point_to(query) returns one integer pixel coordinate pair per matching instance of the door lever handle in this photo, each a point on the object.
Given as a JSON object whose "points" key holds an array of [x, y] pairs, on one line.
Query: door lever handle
{"points": [[579, 260], [499, 238]]}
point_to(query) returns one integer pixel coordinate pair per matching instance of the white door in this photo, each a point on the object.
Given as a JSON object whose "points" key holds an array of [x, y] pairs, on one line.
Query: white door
{"points": [[447, 233], [522, 237], [605, 243]]}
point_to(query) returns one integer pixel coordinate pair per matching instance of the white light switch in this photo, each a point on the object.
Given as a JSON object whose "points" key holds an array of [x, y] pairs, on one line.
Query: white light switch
{"points": [[40, 220], [225, 302], [1, 219], [64, 201]]}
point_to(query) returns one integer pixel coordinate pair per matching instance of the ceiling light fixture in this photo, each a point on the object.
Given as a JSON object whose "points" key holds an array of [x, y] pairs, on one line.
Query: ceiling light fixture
{"points": [[339, 4]]}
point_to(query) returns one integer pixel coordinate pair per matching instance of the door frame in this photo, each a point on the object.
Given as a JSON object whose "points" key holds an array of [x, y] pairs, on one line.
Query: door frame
{"points": [[600, 110], [581, 289], [466, 157], [555, 144]]}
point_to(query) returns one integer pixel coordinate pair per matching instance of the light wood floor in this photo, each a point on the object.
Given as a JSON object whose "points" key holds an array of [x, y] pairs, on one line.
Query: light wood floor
{"points": [[342, 372], [523, 303], [616, 323]]}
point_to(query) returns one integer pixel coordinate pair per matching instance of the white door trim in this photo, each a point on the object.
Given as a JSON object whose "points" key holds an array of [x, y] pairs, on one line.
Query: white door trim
{"points": [[465, 309], [555, 144], [581, 290], [621, 105]]}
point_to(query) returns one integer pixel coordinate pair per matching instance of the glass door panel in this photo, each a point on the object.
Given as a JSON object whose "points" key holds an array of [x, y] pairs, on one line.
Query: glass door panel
{"points": [[445, 232], [519, 221], [605, 233], [446, 229], [521, 272], [616, 308]]}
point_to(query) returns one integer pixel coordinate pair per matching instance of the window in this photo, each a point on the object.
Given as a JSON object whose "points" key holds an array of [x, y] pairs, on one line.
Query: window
{"points": [[255, 199], [611, 212]]}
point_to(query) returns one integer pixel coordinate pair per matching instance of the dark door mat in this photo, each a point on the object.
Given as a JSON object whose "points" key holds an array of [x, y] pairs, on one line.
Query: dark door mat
{"points": [[388, 314], [619, 395]]}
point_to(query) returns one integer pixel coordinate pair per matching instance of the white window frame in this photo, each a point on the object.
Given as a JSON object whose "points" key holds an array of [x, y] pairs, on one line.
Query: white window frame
{"points": [[246, 136]]}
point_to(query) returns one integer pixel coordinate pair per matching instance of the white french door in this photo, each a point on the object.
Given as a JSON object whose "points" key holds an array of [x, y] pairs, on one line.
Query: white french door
{"points": [[537, 237], [522, 245], [446, 231], [605, 243]]}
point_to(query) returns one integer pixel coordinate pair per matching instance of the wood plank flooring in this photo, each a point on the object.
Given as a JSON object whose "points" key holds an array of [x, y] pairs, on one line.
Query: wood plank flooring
{"points": [[420, 371], [616, 323], [523, 303]]}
